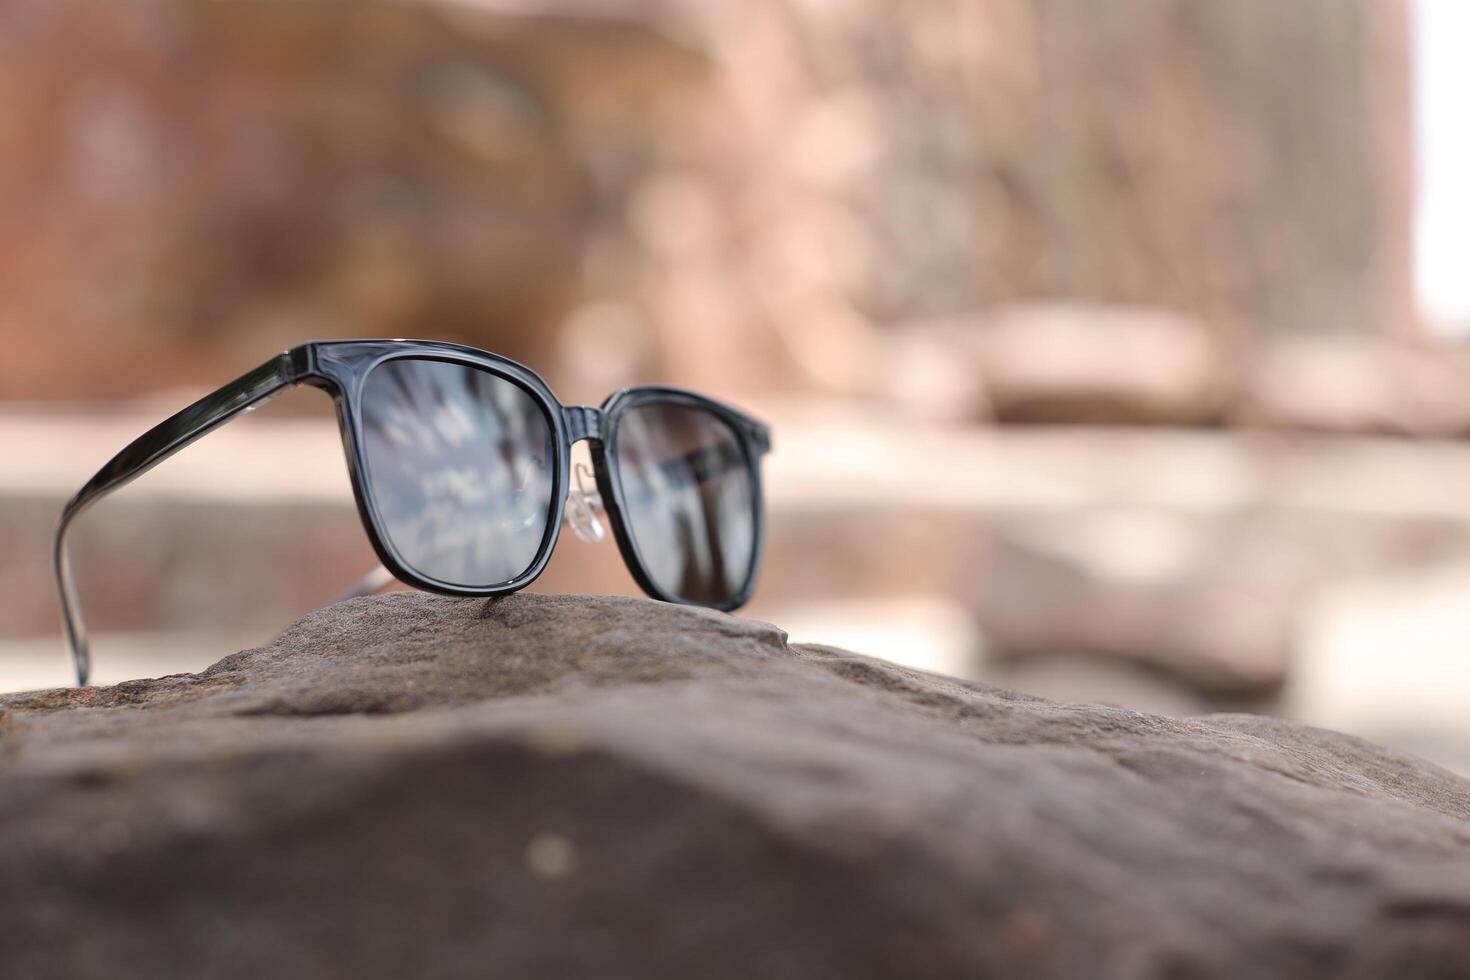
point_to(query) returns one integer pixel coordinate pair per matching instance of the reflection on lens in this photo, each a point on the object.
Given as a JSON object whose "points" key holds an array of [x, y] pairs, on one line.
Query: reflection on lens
{"points": [[688, 500], [459, 463]]}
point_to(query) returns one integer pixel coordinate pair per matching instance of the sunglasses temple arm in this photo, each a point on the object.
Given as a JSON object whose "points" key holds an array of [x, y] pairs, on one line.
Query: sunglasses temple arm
{"points": [[144, 453]]}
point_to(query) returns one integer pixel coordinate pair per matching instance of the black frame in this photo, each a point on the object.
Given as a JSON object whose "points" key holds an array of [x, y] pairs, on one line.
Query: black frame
{"points": [[340, 368]]}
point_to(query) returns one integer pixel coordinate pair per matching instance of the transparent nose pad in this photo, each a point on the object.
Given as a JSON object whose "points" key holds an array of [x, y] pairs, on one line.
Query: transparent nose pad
{"points": [[583, 503]]}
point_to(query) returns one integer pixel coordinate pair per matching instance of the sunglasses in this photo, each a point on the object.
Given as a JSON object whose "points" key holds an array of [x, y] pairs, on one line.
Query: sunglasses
{"points": [[460, 466]]}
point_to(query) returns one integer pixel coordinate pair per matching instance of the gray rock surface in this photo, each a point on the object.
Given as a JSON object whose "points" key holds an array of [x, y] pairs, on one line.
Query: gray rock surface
{"points": [[419, 786]]}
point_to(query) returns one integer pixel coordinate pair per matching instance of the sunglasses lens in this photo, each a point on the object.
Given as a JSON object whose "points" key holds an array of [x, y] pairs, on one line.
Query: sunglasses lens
{"points": [[460, 467], [689, 500]]}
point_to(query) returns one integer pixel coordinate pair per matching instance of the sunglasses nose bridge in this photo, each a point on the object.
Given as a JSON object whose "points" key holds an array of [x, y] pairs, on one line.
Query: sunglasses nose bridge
{"points": [[583, 500], [582, 422]]}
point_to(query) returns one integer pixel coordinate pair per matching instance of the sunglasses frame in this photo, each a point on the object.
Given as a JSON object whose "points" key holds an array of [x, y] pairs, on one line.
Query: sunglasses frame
{"points": [[341, 368]]}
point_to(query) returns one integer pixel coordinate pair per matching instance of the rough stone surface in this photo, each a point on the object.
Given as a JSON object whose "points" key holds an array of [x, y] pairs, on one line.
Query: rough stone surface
{"points": [[562, 786]]}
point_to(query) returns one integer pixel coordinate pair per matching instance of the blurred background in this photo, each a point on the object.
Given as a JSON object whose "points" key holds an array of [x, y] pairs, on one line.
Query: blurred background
{"points": [[1114, 351]]}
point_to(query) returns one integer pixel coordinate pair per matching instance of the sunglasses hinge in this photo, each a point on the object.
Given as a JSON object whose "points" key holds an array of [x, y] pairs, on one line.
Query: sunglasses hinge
{"points": [[300, 363]]}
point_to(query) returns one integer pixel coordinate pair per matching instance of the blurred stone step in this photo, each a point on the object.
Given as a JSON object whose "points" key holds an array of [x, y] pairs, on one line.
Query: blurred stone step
{"points": [[1189, 552]]}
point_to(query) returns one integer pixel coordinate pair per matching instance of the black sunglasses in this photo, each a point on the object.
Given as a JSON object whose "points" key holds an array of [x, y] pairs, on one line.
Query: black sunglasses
{"points": [[460, 465]]}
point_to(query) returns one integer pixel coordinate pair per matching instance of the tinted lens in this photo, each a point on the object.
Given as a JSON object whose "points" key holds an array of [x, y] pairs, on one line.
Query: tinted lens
{"points": [[688, 500], [460, 466]]}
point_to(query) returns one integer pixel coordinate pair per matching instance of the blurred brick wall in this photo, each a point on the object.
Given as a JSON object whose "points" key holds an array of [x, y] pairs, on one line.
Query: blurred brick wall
{"points": [[186, 185], [735, 195]]}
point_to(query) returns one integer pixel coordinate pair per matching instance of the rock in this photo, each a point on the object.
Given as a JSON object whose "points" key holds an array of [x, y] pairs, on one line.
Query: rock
{"points": [[1345, 383], [1097, 363], [927, 377], [1210, 603], [1061, 362], [544, 786]]}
